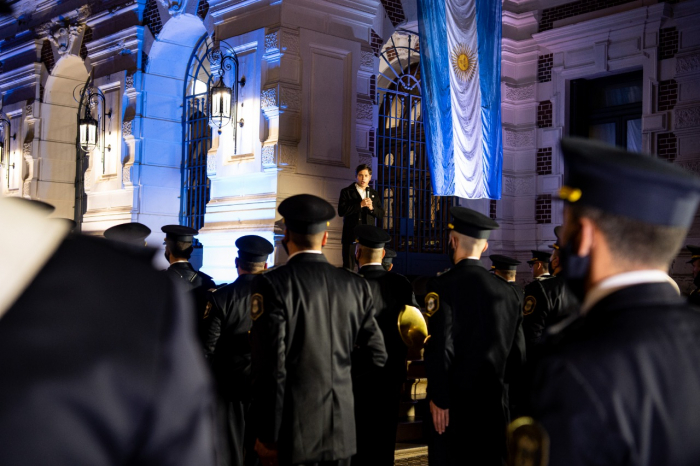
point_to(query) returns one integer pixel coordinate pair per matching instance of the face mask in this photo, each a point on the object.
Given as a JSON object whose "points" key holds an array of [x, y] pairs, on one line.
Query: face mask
{"points": [[550, 268], [574, 270], [284, 246], [167, 256], [696, 281]]}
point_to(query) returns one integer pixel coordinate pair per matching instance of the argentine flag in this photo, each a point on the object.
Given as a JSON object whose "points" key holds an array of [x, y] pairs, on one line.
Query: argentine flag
{"points": [[460, 48]]}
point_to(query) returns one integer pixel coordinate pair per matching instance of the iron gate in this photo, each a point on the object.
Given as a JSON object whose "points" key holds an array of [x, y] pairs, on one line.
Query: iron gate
{"points": [[415, 219]]}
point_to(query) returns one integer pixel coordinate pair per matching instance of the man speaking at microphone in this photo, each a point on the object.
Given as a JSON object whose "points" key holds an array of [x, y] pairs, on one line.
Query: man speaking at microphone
{"points": [[358, 205]]}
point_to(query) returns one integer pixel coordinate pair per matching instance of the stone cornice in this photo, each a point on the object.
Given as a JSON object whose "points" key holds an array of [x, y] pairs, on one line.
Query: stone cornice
{"points": [[27, 74], [583, 33], [122, 42]]}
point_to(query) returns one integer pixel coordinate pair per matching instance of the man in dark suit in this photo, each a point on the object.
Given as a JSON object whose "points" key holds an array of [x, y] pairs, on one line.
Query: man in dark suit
{"points": [[473, 325], [308, 317], [178, 249], [506, 268], [539, 264], [359, 204], [228, 349], [98, 356], [377, 389], [620, 384]]}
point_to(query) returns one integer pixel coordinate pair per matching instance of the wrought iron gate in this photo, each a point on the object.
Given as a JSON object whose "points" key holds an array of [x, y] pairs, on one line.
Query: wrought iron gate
{"points": [[196, 131], [414, 218]]}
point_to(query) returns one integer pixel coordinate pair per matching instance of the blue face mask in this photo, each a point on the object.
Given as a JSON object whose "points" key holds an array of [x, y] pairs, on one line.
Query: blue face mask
{"points": [[575, 270]]}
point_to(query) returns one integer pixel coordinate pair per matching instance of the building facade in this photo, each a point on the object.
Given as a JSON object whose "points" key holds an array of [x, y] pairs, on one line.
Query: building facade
{"points": [[323, 85]]}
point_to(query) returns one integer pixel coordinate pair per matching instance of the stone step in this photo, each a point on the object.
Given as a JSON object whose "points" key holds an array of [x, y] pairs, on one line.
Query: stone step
{"points": [[411, 454]]}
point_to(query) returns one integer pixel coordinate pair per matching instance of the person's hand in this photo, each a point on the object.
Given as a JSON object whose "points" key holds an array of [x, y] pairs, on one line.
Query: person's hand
{"points": [[441, 417], [267, 453], [366, 202]]}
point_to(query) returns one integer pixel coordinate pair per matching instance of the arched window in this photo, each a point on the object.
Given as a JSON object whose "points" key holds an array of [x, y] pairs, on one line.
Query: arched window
{"points": [[196, 131], [416, 220]]}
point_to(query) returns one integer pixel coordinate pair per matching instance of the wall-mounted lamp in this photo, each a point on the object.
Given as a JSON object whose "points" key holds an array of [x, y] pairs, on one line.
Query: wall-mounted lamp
{"points": [[221, 96], [91, 129]]}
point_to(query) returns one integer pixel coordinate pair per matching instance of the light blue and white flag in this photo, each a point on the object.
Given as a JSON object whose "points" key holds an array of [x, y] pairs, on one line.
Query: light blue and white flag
{"points": [[460, 48]]}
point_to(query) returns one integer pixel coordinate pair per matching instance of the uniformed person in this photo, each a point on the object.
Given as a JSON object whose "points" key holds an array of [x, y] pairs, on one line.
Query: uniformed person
{"points": [[620, 384], [377, 389], [473, 328], [694, 297], [133, 233], [228, 349], [547, 300], [540, 265], [308, 316], [506, 268], [388, 261], [98, 357], [178, 249]]}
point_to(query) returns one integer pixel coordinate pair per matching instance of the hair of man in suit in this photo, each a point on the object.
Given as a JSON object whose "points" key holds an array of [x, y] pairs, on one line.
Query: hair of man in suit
{"points": [[363, 166], [250, 267], [507, 275], [367, 255], [633, 244], [180, 249]]}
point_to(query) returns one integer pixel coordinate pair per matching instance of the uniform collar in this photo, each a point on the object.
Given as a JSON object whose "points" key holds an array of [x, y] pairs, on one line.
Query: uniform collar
{"points": [[308, 251], [617, 282]]}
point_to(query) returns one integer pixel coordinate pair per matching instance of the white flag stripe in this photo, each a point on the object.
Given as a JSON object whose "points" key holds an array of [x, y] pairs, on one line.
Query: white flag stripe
{"points": [[466, 99]]}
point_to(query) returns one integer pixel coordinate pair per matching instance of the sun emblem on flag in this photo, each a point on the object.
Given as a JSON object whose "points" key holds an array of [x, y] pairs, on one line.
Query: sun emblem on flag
{"points": [[463, 62]]}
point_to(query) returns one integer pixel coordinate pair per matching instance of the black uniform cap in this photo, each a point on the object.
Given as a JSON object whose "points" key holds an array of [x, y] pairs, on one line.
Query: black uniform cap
{"points": [[501, 262], [471, 223], [132, 233], [253, 248], [371, 236], [695, 253], [179, 233], [389, 255], [635, 186], [539, 256], [306, 213]]}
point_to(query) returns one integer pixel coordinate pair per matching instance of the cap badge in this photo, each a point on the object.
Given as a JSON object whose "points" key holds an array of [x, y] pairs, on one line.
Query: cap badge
{"points": [[567, 193], [432, 303]]}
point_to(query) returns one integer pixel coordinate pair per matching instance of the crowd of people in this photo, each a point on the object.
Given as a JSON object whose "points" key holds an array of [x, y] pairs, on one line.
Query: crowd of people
{"points": [[106, 361]]}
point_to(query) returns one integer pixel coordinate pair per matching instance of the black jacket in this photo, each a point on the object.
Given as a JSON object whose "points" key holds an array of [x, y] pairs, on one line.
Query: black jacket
{"points": [[198, 284], [353, 215], [228, 344], [308, 317], [547, 301], [622, 384], [100, 366], [472, 334]]}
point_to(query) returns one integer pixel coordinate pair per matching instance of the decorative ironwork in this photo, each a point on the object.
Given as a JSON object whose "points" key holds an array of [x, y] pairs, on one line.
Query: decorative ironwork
{"points": [[414, 218], [211, 64]]}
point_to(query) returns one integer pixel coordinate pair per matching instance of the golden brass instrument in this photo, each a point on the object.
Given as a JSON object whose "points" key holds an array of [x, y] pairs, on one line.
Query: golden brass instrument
{"points": [[412, 328], [528, 443]]}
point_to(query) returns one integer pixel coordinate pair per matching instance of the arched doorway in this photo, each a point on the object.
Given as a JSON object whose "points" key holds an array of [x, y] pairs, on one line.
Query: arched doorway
{"points": [[414, 218]]}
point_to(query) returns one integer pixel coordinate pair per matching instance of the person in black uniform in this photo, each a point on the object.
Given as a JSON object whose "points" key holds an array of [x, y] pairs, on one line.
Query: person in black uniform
{"points": [[228, 349], [539, 264], [506, 268], [694, 297], [473, 330], [377, 390], [359, 204], [547, 300], [388, 260], [620, 384], [133, 233], [308, 316], [97, 353], [178, 249]]}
